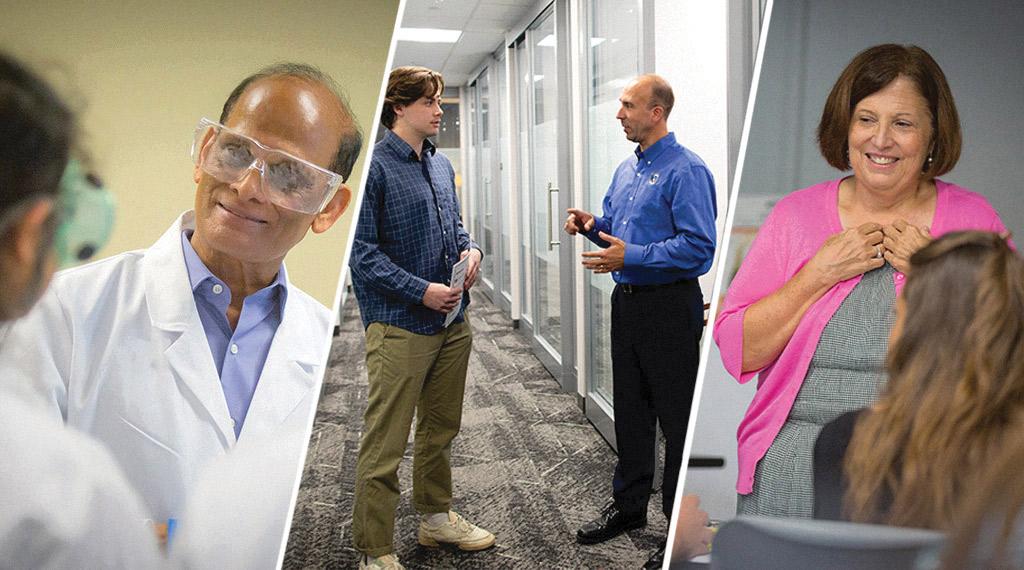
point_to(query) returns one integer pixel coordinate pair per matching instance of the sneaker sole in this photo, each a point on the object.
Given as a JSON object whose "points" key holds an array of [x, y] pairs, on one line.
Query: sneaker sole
{"points": [[599, 539], [468, 547]]}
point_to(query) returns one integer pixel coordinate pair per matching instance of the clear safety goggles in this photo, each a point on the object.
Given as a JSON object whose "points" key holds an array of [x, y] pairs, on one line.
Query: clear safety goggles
{"points": [[288, 181]]}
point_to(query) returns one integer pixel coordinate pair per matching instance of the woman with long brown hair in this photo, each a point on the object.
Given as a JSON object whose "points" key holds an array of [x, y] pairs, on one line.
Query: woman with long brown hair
{"points": [[955, 395]]}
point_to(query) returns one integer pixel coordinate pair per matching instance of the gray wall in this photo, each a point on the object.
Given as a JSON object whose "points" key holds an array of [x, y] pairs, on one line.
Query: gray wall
{"points": [[977, 44]]}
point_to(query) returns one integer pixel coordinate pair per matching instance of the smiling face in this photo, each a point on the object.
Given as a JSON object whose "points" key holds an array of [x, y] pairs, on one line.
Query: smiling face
{"points": [[237, 222], [890, 137], [422, 117]]}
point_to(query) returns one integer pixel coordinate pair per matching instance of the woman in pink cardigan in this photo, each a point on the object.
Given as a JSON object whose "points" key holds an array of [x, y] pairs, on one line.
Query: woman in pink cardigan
{"points": [[810, 309]]}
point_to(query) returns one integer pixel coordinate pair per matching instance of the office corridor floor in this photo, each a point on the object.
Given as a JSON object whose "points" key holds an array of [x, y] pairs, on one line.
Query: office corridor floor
{"points": [[527, 465]]}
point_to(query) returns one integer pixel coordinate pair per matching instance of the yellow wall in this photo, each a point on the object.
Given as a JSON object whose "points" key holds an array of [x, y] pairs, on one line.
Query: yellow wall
{"points": [[141, 74]]}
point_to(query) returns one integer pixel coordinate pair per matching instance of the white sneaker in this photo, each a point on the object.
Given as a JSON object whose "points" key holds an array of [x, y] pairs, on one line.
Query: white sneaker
{"points": [[457, 531], [386, 562]]}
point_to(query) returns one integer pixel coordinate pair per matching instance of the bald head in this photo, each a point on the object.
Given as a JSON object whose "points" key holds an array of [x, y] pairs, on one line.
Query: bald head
{"points": [[657, 91], [331, 96]]}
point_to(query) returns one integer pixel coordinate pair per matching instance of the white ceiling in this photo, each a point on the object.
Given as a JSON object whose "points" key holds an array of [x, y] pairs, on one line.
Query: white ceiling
{"points": [[483, 24]]}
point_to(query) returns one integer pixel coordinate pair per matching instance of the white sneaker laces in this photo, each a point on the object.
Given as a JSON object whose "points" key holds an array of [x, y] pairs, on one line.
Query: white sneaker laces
{"points": [[462, 525]]}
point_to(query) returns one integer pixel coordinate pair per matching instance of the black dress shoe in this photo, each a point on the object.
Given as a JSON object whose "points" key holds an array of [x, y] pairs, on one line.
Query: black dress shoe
{"points": [[610, 524], [657, 560]]}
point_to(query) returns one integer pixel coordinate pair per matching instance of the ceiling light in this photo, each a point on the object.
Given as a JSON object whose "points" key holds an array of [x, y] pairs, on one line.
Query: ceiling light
{"points": [[547, 41], [429, 35]]}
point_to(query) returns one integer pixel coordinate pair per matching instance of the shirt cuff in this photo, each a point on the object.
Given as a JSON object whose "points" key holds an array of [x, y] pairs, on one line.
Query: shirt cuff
{"points": [[593, 235], [417, 289], [634, 255]]}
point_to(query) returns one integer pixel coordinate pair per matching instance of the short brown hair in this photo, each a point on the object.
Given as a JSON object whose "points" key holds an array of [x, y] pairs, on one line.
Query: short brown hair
{"points": [[869, 72], [405, 86]]}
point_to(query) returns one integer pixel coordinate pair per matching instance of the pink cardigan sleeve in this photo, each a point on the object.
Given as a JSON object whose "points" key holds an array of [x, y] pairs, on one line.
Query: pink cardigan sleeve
{"points": [[762, 272]]}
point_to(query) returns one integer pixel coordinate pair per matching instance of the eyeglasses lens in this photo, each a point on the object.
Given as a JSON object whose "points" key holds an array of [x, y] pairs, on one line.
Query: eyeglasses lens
{"points": [[290, 183]]}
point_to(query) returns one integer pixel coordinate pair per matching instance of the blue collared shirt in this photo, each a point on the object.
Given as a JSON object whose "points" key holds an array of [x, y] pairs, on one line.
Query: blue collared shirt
{"points": [[409, 235], [662, 204], [240, 354]]}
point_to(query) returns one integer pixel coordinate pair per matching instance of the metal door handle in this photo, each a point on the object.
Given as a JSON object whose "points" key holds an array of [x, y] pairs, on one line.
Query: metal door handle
{"points": [[552, 189]]}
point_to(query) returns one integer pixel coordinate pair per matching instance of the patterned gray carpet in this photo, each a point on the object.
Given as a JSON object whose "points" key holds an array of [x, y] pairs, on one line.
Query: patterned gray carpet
{"points": [[527, 465]]}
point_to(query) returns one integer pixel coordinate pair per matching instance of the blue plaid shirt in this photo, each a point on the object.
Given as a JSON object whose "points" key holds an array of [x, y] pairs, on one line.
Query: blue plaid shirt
{"points": [[409, 235], [662, 204]]}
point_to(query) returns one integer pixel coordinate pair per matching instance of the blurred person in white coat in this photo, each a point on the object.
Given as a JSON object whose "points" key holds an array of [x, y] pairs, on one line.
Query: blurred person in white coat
{"points": [[172, 355], [64, 503]]}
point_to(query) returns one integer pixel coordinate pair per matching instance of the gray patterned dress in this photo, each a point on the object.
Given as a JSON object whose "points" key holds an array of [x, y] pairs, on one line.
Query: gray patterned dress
{"points": [[845, 374]]}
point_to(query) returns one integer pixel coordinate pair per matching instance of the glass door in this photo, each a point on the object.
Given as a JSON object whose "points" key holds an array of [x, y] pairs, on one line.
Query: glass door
{"points": [[502, 193], [492, 201], [542, 168], [545, 192], [524, 79], [485, 200], [613, 36]]}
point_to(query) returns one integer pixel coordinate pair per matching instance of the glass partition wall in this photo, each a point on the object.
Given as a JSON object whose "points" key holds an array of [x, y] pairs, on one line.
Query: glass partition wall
{"points": [[522, 91], [492, 206], [612, 57], [544, 189], [484, 199], [522, 180], [502, 186]]}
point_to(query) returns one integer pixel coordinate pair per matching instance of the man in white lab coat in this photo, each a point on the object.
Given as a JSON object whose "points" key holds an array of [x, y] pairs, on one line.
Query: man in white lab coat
{"points": [[172, 355], [64, 502]]}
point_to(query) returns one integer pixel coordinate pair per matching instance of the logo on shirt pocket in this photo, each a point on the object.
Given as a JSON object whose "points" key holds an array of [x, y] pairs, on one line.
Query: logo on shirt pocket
{"points": [[653, 179]]}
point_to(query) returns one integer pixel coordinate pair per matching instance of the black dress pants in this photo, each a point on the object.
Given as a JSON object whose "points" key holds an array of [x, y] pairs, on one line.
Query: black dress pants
{"points": [[655, 351]]}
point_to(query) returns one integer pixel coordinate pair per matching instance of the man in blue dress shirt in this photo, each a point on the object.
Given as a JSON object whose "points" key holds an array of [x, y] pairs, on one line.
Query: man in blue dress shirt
{"points": [[408, 238], [658, 236]]}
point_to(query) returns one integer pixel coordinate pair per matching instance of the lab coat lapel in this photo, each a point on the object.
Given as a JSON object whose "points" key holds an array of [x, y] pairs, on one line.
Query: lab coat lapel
{"points": [[292, 370], [172, 311]]}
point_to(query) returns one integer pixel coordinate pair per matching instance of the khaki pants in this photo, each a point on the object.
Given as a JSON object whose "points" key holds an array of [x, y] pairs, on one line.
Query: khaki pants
{"points": [[408, 373]]}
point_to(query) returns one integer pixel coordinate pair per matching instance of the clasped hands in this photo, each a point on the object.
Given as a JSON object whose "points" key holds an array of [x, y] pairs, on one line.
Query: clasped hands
{"points": [[858, 250], [443, 298], [611, 258]]}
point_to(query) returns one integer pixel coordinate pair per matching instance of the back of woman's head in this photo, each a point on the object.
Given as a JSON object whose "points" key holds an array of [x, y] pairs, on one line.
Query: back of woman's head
{"points": [[36, 132], [956, 384], [964, 325], [990, 531]]}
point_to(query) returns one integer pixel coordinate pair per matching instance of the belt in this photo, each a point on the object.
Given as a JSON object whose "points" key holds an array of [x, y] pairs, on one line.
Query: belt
{"points": [[631, 289]]}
